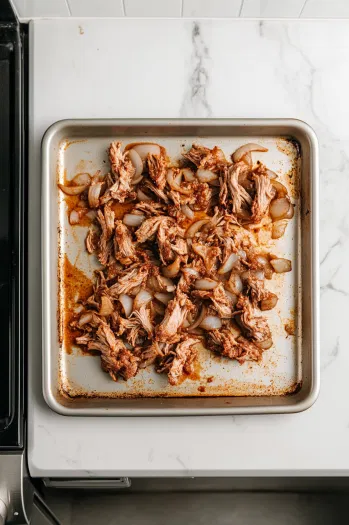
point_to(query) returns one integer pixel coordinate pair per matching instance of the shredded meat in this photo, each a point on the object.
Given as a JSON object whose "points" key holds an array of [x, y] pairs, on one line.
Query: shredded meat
{"points": [[190, 258]]}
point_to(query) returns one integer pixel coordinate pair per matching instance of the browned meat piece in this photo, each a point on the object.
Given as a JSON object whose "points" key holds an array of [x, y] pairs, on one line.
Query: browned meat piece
{"points": [[201, 198], [180, 361], [149, 208], [157, 167], [224, 343], [170, 241], [115, 358], [205, 158], [133, 276], [149, 228], [168, 330], [159, 282], [143, 317], [255, 328], [257, 293], [123, 171], [92, 239], [151, 353], [223, 187], [104, 247], [124, 247], [159, 193], [222, 303], [209, 254], [264, 194], [241, 200]]}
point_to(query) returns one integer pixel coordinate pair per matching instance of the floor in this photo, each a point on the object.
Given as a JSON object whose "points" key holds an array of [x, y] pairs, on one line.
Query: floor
{"points": [[204, 508]]}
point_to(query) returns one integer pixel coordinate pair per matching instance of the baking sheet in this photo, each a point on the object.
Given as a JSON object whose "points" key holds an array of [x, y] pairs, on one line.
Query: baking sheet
{"points": [[77, 376]]}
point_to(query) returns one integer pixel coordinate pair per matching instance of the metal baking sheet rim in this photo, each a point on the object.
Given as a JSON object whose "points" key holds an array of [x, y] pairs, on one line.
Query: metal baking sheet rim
{"points": [[186, 406]]}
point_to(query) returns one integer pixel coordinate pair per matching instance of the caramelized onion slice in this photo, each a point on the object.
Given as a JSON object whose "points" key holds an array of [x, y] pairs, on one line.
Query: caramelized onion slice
{"points": [[187, 211], [163, 297], [269, 303], [247, 148], [93, 194], [195, 227], [188, 175], [206, 175], [211, 322], [172, 269], [174, 184], [131, 219], [205, 284], [141, 196], [281, 265], [127, 303], [279, 208], [74, 217], [142, 299], [228, 265], [106, 307], [146, 148], [278, 229], [73, 190], [82, 179], [136, 161]]}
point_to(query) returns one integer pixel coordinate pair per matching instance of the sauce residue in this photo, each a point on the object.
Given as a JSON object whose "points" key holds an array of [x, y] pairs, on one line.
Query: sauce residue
{"points": [[77, 287]]}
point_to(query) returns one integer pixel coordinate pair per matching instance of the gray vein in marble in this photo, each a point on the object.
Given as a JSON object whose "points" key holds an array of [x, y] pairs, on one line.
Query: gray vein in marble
{"points": [[332, 355], [195, 102], [329, 251]]}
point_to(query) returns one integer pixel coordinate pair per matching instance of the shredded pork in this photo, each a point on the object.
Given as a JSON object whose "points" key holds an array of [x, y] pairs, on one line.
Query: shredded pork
{"points": [[184, 267]]}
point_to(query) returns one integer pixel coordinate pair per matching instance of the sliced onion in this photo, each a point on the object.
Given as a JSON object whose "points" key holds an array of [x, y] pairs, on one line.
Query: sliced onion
{"points": [[266, 344], [188, 212], [247, 159], [245, 149], [271, 174], [198, 320], [195, 227], [235, 283], [281, 265], [290, 212], [127, 303], [91, 214], [74, 217], [178, 178], [94, 192], [82, 179], [279, 208], [172, 269], [137, 163], [131, 219], [281, 190], [269, 302], [206, 175], [205, 284], [242, 254], [211, 322], [163, 297], [73, 190], [136, 179], [233, 298], [85, 318], [173, 184], [146, 148], [188, 175], [170, 287], [259, 274], [278, 229], [191, 271], [141, 196], [107, 307], [267, 268], [142, 299], [228, 264]]}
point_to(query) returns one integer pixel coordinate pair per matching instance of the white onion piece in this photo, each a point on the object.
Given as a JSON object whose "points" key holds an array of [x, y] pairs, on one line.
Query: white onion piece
{"points": [[245, 149], [235, 283], [271, 174], [170, 287], [206, 175], [188, 212], [141, 196], [137, 163], [278, 229], [106, 306], [74, 217], [188, 175], [247, 159], [211, 322], [85, 318], [145, 148], [93, 194], [73, 190], [290, 212], [228, 264], [195, 227], [205, 284], [91, 214], [242, 254], [136, 179], [82, 179], [281, 265], [142, 299], [233, 298], [127, 303], [178, 178], [281, 190], [174, 185], [191, 271], [172, 269], [131, 219], [163, 297], [266, 344], [279, 208], [198, 320], [269, 302]]}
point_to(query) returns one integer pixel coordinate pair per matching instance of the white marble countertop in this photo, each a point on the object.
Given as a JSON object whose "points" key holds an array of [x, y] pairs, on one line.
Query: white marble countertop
{"points": [[187, 68]]}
